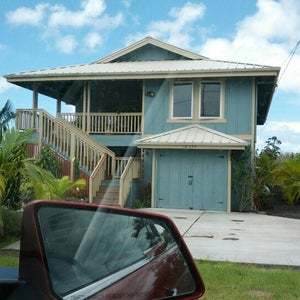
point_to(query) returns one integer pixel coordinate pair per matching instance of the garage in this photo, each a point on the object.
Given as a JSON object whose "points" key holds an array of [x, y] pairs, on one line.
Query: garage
{"points": [[191, 168], [192, 179]]}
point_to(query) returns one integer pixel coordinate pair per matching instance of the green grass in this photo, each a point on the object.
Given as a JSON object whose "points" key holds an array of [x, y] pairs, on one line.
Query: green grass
{"points": [[9, 259], [240, 281]]}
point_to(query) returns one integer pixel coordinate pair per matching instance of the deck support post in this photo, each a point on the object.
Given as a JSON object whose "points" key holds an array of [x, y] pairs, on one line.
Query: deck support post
{"points": [[88, 107], [35, 103], [84, 108], [58, 107]]}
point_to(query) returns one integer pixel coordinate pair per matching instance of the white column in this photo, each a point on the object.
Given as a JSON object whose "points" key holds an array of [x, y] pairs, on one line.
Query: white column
{"points": [[35, 104], [88, 107], [58, 106], [84, 107]]}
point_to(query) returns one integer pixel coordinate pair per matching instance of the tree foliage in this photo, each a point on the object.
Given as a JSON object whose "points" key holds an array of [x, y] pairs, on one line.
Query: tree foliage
{"points": [[287, 176], [48, 161], [6, 115], [59, 188], [277, 175]]}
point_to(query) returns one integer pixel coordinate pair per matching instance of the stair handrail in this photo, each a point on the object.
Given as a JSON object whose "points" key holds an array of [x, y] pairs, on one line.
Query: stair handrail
{"points": [[131, 171], [73, 129], [96, 177]]}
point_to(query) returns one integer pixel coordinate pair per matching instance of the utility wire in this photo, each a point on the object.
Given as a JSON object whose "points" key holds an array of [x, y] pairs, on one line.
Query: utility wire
{"points": [[289, 59]]}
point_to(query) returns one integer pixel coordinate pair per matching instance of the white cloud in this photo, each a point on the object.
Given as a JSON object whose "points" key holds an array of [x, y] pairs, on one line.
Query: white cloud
{"points": [[127, 3], [266, 37], [27, 16], [63, 26], [4, 85], [93, 40], [178, 28], [90, 10], [66, 44], [287, 132]]}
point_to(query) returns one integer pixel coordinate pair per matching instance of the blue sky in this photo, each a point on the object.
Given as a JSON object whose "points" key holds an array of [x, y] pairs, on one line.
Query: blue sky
{"points": [[40, 34]]}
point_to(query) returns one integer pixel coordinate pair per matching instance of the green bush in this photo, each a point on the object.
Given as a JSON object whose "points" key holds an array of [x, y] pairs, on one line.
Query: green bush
{"points": [[10, 222], [242, 180], [48, 161]]}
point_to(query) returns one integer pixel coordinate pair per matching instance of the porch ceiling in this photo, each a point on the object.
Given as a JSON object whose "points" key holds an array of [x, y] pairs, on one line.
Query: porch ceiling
{"points": [[69, 91]]}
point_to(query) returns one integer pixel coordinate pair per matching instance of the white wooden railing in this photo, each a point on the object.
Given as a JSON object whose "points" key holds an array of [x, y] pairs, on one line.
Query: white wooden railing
{"points": [[96, 177], [63, 137], [117, 123], [121, 163], [131, 171]]}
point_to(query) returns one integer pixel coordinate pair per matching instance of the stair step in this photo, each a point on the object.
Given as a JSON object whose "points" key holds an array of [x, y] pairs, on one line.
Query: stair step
{"points": [[106, 189], [106, 202], [108, 196], [111, 182]]}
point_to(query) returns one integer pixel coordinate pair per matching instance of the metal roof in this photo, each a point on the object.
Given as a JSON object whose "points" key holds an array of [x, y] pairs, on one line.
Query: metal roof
{"points": [[143, 68], [192, 137]]}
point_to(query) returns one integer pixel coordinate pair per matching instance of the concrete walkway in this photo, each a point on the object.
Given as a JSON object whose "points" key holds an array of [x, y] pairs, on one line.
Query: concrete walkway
{"points": [[239, 237]]}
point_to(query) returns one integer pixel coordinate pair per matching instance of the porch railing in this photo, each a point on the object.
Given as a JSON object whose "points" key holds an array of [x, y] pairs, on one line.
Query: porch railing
{"points": [[130, 172], [115, 123]]}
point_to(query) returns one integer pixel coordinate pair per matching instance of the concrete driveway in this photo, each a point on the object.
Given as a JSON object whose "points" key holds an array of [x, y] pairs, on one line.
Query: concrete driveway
{"points": [[239, 237]]}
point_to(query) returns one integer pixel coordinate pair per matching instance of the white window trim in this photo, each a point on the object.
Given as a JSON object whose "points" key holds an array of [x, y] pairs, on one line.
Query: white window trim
{"points": [[172, 117], [222, 100]]}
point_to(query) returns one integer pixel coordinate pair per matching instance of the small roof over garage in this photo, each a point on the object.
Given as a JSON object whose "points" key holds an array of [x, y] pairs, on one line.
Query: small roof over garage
{"points": [[192, 137]]}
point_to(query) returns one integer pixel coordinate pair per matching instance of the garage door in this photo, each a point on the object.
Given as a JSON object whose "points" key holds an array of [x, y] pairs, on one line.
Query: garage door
{"points": [[191, 179]]}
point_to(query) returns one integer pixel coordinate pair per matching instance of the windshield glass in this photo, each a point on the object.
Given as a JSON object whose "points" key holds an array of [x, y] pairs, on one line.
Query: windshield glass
{"points": [[83, 246]]}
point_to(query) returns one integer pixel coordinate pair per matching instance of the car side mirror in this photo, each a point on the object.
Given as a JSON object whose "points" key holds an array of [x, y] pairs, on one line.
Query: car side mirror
{"points": [[79, 251]]}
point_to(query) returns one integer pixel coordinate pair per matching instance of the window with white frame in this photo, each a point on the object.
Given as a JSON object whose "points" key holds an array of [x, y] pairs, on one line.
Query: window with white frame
{"points": [[210, 99], [182, 100]]}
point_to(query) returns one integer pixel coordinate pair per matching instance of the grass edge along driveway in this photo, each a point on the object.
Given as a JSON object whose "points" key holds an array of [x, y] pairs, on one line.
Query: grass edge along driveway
{"points": [[224, 280], [234, 281]]}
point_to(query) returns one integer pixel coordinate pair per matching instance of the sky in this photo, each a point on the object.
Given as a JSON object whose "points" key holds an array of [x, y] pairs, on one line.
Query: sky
{"points": [[37, 34]]}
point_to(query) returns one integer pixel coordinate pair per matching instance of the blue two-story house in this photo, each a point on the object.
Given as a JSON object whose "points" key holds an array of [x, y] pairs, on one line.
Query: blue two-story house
{"points": [[152, 115]]}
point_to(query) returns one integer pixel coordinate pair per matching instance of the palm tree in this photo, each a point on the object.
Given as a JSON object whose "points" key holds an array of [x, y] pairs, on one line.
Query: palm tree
{"points": [[6, 115]]}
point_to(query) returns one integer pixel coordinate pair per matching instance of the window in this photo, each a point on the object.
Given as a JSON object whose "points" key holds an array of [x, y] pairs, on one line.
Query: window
{"points": [[182, 99], [210, 99]]}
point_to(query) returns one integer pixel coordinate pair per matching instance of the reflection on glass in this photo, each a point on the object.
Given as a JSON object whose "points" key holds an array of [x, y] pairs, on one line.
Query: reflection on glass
{"points": [[87, 251]]}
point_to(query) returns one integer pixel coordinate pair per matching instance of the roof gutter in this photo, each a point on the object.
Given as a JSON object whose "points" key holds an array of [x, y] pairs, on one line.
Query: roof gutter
{"points": [[158, 75]]}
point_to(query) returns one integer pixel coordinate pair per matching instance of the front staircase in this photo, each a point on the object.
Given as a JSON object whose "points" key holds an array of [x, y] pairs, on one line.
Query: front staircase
{"points": [[110, 177], [108, 193]]}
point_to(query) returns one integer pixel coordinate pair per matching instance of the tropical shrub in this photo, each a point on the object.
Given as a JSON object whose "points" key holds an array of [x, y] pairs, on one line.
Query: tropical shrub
{"points": [[286, 175], [242, 180], [59, 188], [10, 222], [48, 161], [17, 170]]}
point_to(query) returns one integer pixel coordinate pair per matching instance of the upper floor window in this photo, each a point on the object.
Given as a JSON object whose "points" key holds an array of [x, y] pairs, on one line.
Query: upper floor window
{"points": [[182, 99], [210, 98]]}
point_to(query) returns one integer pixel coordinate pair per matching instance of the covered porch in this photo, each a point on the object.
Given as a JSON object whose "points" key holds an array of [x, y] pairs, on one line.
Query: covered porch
{"points": [[105, 107]]}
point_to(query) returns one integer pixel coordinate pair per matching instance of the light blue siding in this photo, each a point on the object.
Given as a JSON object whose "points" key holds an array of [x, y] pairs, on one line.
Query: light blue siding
{"points": [[195, 179], [238, 108], [148, 53]]}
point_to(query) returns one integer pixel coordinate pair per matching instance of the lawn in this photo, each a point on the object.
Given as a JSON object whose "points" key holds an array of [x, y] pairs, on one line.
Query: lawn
{"points": [[237, 281], [232, 281], [9, 259]]}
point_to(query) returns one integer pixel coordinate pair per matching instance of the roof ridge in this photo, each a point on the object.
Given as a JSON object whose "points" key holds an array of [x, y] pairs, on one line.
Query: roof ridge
{"points": [[149, 40]]}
